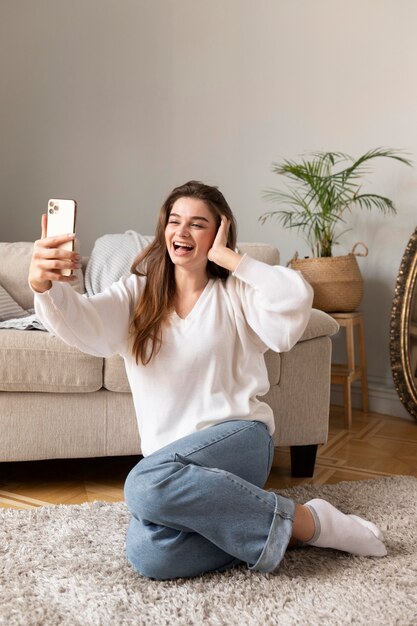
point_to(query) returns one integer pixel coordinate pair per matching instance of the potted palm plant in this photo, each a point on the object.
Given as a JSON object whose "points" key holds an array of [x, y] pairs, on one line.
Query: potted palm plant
{"points": [[322, 192]]}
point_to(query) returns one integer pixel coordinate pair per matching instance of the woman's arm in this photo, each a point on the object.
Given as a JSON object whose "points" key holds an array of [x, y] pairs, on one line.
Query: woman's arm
{"points": [[275, 301], [97, 325]]}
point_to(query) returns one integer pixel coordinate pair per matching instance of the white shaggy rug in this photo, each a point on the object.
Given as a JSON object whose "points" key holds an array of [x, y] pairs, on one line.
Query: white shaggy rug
{"points": [[65, 565]]}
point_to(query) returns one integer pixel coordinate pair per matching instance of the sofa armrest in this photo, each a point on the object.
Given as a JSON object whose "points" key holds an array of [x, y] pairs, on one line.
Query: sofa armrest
{"points": [[319, 325]]}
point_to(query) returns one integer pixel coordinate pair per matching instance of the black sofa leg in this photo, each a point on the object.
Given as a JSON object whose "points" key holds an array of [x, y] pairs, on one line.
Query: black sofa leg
{"points": [[303, 459]]}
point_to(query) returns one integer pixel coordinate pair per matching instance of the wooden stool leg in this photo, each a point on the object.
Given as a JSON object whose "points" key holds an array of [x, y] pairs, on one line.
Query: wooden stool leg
{"points": [[362, 359], [350, 346], [350, 349], [347, 401]]}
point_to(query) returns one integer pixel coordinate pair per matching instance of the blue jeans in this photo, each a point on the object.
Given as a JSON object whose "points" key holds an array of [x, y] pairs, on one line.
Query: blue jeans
{"points": [[198, 505]]}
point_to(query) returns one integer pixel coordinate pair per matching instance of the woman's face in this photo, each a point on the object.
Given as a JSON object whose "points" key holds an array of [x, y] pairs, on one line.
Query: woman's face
{"points": [[190, 232]]}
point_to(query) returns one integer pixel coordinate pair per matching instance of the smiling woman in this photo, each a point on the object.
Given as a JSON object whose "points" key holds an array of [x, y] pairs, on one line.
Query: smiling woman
{"points": [[192, 323], [194, 219]]}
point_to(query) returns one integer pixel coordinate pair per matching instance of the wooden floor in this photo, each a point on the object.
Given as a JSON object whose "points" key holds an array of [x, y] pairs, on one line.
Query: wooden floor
{"points": [[377, 445]]}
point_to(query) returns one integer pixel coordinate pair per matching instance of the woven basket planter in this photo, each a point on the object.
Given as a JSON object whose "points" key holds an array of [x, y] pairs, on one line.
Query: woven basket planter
{"points": [[337, 281]]}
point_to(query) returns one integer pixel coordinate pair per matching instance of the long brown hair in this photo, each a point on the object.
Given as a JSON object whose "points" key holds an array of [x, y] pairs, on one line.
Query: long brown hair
{"points": [[154, 262]]}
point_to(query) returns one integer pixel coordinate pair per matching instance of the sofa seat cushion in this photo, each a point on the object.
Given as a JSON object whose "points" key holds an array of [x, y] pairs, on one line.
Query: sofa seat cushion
{"points": [[115, 379], [37, 361], [114, 376]]}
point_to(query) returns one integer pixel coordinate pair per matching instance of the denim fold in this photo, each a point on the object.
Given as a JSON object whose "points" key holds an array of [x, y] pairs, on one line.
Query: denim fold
{"points": [[278, 537]]}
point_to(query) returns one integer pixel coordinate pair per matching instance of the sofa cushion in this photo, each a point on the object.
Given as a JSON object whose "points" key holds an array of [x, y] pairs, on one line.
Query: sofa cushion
{"points": [[14, 270], [114, 375], [115, 379], [36, 361], [261, 251], [319, 325]]}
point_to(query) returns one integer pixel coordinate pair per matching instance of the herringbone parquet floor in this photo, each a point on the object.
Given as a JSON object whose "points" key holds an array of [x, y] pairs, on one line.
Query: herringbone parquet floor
{"points": [[377, 445]]}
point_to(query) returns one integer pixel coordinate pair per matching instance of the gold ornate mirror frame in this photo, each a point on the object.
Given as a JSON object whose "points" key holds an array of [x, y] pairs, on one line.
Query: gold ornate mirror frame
{"points": [[403, 329]]}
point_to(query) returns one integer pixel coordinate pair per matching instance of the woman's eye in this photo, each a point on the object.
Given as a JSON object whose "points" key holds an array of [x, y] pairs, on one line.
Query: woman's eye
{"points": [[176, 222]]}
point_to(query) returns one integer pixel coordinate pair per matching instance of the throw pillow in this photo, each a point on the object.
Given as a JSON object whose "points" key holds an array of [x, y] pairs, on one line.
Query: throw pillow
{"points": [[111, 259], [14, 269], [9, 308]]}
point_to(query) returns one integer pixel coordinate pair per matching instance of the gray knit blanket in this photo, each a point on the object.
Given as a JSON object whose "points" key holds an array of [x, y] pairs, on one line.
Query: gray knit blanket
{"points": [[29, 322]]}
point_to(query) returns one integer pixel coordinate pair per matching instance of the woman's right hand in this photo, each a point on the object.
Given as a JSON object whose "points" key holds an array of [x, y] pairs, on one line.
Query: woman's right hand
{"points": [[48, 260]]}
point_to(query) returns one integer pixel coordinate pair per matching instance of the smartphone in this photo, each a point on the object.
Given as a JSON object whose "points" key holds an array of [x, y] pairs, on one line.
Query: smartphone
{"points": [[61, 221]]}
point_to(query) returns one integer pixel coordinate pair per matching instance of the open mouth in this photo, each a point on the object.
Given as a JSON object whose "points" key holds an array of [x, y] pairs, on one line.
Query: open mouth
{"points": [[182, 248]]}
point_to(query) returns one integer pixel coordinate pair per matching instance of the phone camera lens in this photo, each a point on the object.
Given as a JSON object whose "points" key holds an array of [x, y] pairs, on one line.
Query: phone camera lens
{"points": [[51, 203], [50, 211]]}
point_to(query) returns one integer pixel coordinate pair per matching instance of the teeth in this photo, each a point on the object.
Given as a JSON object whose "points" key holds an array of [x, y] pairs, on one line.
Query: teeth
{"points": [[183, 245]]}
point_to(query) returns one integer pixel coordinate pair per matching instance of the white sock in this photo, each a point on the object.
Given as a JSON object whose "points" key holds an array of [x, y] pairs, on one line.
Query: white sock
{"points": [[377, 532], [349, 533]]}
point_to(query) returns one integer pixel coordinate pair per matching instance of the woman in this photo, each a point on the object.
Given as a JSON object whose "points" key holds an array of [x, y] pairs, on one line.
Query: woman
{"points": [[192, 324]]}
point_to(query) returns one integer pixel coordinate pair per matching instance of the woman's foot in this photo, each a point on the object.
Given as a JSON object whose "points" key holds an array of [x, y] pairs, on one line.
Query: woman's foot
{"points": [[350, 533]]}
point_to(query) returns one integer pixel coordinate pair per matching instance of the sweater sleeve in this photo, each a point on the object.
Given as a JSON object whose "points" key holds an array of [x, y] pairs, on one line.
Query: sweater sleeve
{"points": [[98, 325], [276, 302]]}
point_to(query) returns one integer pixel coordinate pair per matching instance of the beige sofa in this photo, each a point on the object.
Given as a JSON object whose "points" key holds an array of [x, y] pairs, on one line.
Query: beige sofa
{"points": [[56, 402]]}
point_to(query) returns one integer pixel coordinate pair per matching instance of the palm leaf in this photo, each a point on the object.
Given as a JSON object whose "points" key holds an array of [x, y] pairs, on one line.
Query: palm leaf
{"points": [[370, 200]]}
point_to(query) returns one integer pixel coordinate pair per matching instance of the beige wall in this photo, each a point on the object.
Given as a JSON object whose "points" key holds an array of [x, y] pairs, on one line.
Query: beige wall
{"points": [[114, 102]]}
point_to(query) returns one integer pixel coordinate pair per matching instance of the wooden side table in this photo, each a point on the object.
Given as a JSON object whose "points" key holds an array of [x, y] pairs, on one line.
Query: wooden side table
{"points": [[345, 374]]}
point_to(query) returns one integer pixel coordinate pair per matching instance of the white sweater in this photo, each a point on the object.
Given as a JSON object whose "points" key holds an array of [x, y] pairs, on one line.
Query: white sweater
{"points": [[211, 367]]}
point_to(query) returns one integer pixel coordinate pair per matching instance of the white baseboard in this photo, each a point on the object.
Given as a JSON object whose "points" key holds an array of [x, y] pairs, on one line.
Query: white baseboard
{"points": [[382, 398]]}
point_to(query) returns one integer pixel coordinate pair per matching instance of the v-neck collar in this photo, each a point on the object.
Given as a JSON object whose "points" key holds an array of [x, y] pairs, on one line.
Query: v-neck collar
{"points": [[197, 306]]}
